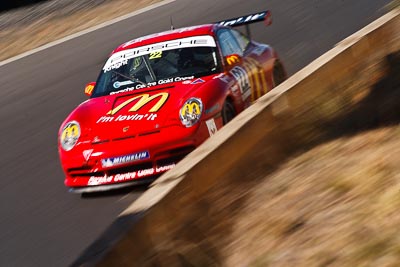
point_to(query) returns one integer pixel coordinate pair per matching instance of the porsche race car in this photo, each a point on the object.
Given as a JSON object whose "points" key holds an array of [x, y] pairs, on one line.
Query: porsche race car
{"points": [[159, 97]]}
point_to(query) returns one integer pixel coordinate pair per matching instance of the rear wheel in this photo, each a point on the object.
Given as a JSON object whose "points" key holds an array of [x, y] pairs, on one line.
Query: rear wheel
{"points": [[278, 73], [228, 112]]}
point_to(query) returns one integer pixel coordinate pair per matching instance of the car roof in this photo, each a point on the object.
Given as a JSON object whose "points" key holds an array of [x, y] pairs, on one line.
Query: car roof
{"points": [[206, 29]]}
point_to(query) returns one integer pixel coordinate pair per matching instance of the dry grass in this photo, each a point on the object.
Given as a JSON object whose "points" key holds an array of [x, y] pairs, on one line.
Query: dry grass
{"points": [[17, 39], [394, 4], [336, 205]]}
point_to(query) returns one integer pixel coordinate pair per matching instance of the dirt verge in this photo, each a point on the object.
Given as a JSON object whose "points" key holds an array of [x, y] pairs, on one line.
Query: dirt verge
{"points": [[29, 27]]}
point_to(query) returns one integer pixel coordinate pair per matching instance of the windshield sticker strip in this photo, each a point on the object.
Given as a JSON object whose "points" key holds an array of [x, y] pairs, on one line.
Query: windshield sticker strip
{"points": [[184, 80], [120, 58]]}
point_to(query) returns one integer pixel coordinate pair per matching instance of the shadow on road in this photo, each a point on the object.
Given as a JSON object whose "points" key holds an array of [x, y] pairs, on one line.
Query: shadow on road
{"points": [[113, 233], [117, 192]]}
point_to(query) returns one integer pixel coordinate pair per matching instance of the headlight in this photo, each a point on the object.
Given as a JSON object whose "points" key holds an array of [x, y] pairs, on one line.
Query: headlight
{"points": [[70, 135], [191, 111]]}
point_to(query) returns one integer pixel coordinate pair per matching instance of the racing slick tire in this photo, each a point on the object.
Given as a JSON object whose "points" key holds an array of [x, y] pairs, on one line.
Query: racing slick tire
{"points": [[228, 112]]}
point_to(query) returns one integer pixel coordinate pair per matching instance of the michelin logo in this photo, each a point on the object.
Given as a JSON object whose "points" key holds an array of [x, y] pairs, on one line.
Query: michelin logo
{"points": [[110, 162]]}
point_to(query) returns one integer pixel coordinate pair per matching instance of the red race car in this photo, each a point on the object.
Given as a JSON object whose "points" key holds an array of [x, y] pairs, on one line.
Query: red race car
{"points": [[159, 97]]}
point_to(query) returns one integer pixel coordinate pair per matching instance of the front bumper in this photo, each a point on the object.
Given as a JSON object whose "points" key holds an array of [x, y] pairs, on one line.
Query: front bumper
{"points": [[108, 187], [166, 147]]}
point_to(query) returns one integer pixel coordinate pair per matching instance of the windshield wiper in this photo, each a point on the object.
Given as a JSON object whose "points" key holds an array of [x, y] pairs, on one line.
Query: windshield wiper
{"points": [[132, 79]]}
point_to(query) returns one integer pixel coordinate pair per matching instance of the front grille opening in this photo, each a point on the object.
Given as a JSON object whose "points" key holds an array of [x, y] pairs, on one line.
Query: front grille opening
{"points": [[173, 156], [86, 174], [166, 158], [169, 161], [182, 150]]}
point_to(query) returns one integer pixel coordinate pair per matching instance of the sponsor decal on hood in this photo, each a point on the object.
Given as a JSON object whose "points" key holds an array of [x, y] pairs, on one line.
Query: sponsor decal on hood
{"points": [[142, 100]]}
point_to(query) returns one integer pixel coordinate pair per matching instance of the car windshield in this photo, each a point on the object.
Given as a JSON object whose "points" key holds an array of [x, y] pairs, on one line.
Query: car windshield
{"points": [[145, 67]]}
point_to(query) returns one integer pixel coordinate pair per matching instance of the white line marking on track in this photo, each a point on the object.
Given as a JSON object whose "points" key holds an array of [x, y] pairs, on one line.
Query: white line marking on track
{"points": [[91, 29]]}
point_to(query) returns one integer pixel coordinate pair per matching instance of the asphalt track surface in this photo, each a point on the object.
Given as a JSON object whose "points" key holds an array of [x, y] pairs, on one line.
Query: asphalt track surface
{"points": [[44, 225]]}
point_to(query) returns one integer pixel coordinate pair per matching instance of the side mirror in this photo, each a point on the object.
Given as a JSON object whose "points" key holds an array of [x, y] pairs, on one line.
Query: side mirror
{"points": [[89, 88], [232, 60]]}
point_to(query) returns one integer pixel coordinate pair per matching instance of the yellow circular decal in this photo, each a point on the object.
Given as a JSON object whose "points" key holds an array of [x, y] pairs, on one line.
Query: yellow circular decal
{"points": [[190, 112], [70, 135]]}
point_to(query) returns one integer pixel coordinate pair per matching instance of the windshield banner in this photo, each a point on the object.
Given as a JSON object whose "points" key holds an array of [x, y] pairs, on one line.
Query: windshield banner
{"points": [[120, 58]]}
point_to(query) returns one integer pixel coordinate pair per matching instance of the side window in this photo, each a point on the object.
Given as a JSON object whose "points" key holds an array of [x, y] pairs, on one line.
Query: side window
{"points": [[228, 43], [242, 40]]}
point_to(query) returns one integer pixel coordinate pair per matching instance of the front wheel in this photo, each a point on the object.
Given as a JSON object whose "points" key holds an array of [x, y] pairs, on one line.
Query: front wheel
{"points": [[228, 112]]}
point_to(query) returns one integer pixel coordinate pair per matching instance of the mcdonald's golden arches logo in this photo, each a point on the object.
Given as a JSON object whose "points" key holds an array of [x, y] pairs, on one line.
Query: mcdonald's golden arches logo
{"points": [[232, 59], [89, 89], [143, 100]]}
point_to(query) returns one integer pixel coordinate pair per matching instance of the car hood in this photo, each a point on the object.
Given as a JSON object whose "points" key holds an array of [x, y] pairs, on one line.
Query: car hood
{"points": [[137, 112]]}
